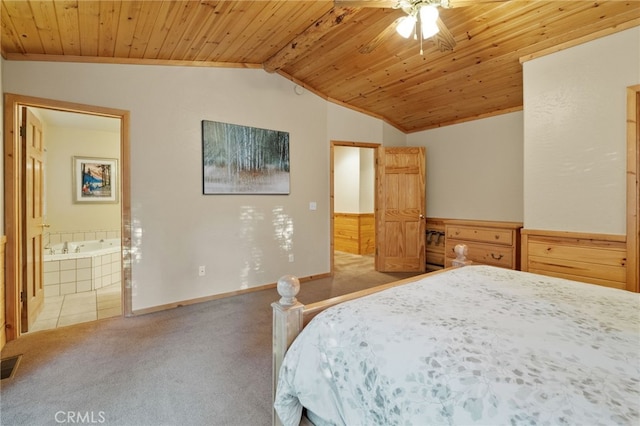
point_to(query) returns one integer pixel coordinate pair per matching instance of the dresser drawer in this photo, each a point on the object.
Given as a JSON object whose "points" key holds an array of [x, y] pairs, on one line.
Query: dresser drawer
{"points": [[486, 235], [488, 254]]}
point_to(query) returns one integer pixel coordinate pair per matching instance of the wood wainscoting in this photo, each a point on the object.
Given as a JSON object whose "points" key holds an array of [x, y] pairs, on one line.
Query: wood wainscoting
{"points": [[354, 233], [591, 258]]}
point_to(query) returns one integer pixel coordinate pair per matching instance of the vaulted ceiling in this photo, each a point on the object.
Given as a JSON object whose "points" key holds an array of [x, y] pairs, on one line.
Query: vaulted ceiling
{"points": [[340, 51]]}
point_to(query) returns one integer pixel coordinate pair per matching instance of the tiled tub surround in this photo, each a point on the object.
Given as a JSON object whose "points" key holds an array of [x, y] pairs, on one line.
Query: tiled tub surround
{"points": [[81, 274], [68, 270], [52, 238]]}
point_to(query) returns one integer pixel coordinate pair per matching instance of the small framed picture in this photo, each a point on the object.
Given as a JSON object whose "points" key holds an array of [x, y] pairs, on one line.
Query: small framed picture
{"points": [[95, 180]]}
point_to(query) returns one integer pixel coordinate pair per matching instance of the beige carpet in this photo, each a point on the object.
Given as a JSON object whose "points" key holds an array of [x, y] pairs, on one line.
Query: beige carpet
{"points": [[204, 364]]}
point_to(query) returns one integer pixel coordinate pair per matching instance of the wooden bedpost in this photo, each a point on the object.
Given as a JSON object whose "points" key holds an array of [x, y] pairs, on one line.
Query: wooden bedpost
{"points": [[461, 251], [287, 324]]}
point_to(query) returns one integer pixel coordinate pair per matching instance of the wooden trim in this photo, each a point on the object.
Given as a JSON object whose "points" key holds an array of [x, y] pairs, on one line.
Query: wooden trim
{"points": [[3, 317], [483, 223], [436, 223], [577, 235], [12, 187], [633, 188], [313, 309], [197, 300], [12, 217], [125, 212], [126, 61], [524, 250], [355, 144], [572, 43]]}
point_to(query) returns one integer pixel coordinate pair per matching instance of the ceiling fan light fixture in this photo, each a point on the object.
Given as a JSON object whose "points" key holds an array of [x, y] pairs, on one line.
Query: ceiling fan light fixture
{"points": [[428, 14], [429, 29], [406, 25]]}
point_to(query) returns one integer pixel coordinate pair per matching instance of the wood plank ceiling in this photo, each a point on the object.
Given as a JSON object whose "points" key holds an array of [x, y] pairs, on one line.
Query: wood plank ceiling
{"points": [[318, 45]]}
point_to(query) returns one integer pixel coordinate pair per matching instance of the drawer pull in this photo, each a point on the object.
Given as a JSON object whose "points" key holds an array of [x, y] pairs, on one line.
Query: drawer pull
{"points": [[497, 257]]}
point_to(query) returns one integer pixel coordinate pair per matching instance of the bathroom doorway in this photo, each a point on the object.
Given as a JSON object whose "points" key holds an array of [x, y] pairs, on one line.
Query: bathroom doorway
{"points": [[16, 262], [82, 250]]}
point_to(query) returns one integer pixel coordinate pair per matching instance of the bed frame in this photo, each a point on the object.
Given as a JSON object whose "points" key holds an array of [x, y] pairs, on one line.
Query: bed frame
{"points": [[291, 316]]}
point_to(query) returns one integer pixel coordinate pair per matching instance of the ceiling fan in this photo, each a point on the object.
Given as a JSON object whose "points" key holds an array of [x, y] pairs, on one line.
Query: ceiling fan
{"points": [[421, 20]]}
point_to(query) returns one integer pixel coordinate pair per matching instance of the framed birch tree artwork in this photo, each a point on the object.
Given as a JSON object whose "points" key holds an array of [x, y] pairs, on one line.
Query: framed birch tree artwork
{"points": [[244, 160]]}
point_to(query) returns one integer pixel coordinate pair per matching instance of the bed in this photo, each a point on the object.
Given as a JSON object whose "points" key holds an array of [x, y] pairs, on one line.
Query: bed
{"points": [[470, 345]]}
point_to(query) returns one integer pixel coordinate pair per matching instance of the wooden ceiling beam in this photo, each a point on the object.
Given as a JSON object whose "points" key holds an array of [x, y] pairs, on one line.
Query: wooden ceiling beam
{"points": [[304, 41]]}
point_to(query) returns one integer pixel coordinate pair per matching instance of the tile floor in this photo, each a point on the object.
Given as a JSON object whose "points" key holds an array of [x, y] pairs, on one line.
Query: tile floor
{"points": [[75, 308]]}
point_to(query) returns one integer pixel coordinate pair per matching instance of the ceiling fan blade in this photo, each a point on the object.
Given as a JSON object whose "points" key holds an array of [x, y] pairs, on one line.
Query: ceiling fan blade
{"points": [[380, 38], [444, 39], [366, 3]]}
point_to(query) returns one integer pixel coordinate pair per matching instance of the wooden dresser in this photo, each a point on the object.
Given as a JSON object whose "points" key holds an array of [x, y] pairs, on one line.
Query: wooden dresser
{"points": [[488, 242]]}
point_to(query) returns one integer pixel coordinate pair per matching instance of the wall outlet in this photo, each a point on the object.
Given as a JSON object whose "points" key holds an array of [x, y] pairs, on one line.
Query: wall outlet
{"points": [[201, 271], [290, 257]]}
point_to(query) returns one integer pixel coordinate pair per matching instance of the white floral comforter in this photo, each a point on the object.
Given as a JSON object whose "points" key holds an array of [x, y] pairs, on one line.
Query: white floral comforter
{"points": [[475, 345]]}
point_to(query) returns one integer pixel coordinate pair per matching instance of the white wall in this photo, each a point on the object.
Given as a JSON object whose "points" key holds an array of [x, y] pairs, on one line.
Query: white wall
{"points": [[62, 145], [243, 240], [354, 179], [474, 169], [345, 124], [367, 180], [348, 125], [346, 175], [575, 135], [391, 136]]}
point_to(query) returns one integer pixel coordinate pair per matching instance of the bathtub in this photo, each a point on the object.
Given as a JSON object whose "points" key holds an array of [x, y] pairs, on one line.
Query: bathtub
{"points": [[79, 266], [80, 249]]}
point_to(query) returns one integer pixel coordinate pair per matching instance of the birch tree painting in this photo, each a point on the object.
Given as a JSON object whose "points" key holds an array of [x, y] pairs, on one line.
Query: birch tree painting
{"points": [[241, 159]]}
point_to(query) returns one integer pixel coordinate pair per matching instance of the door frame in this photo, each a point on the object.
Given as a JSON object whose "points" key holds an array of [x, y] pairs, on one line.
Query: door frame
{"points": [[333, 144], [13, 188], [633, 188]]}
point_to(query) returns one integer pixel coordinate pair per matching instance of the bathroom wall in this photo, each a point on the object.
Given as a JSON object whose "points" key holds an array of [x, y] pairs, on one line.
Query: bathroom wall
{"points": [[62, 214]]}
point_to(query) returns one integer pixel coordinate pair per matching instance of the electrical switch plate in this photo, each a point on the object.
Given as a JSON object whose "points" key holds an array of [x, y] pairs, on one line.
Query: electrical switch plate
{"points": [[290, 257], [313, 205], [201, 271]]}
